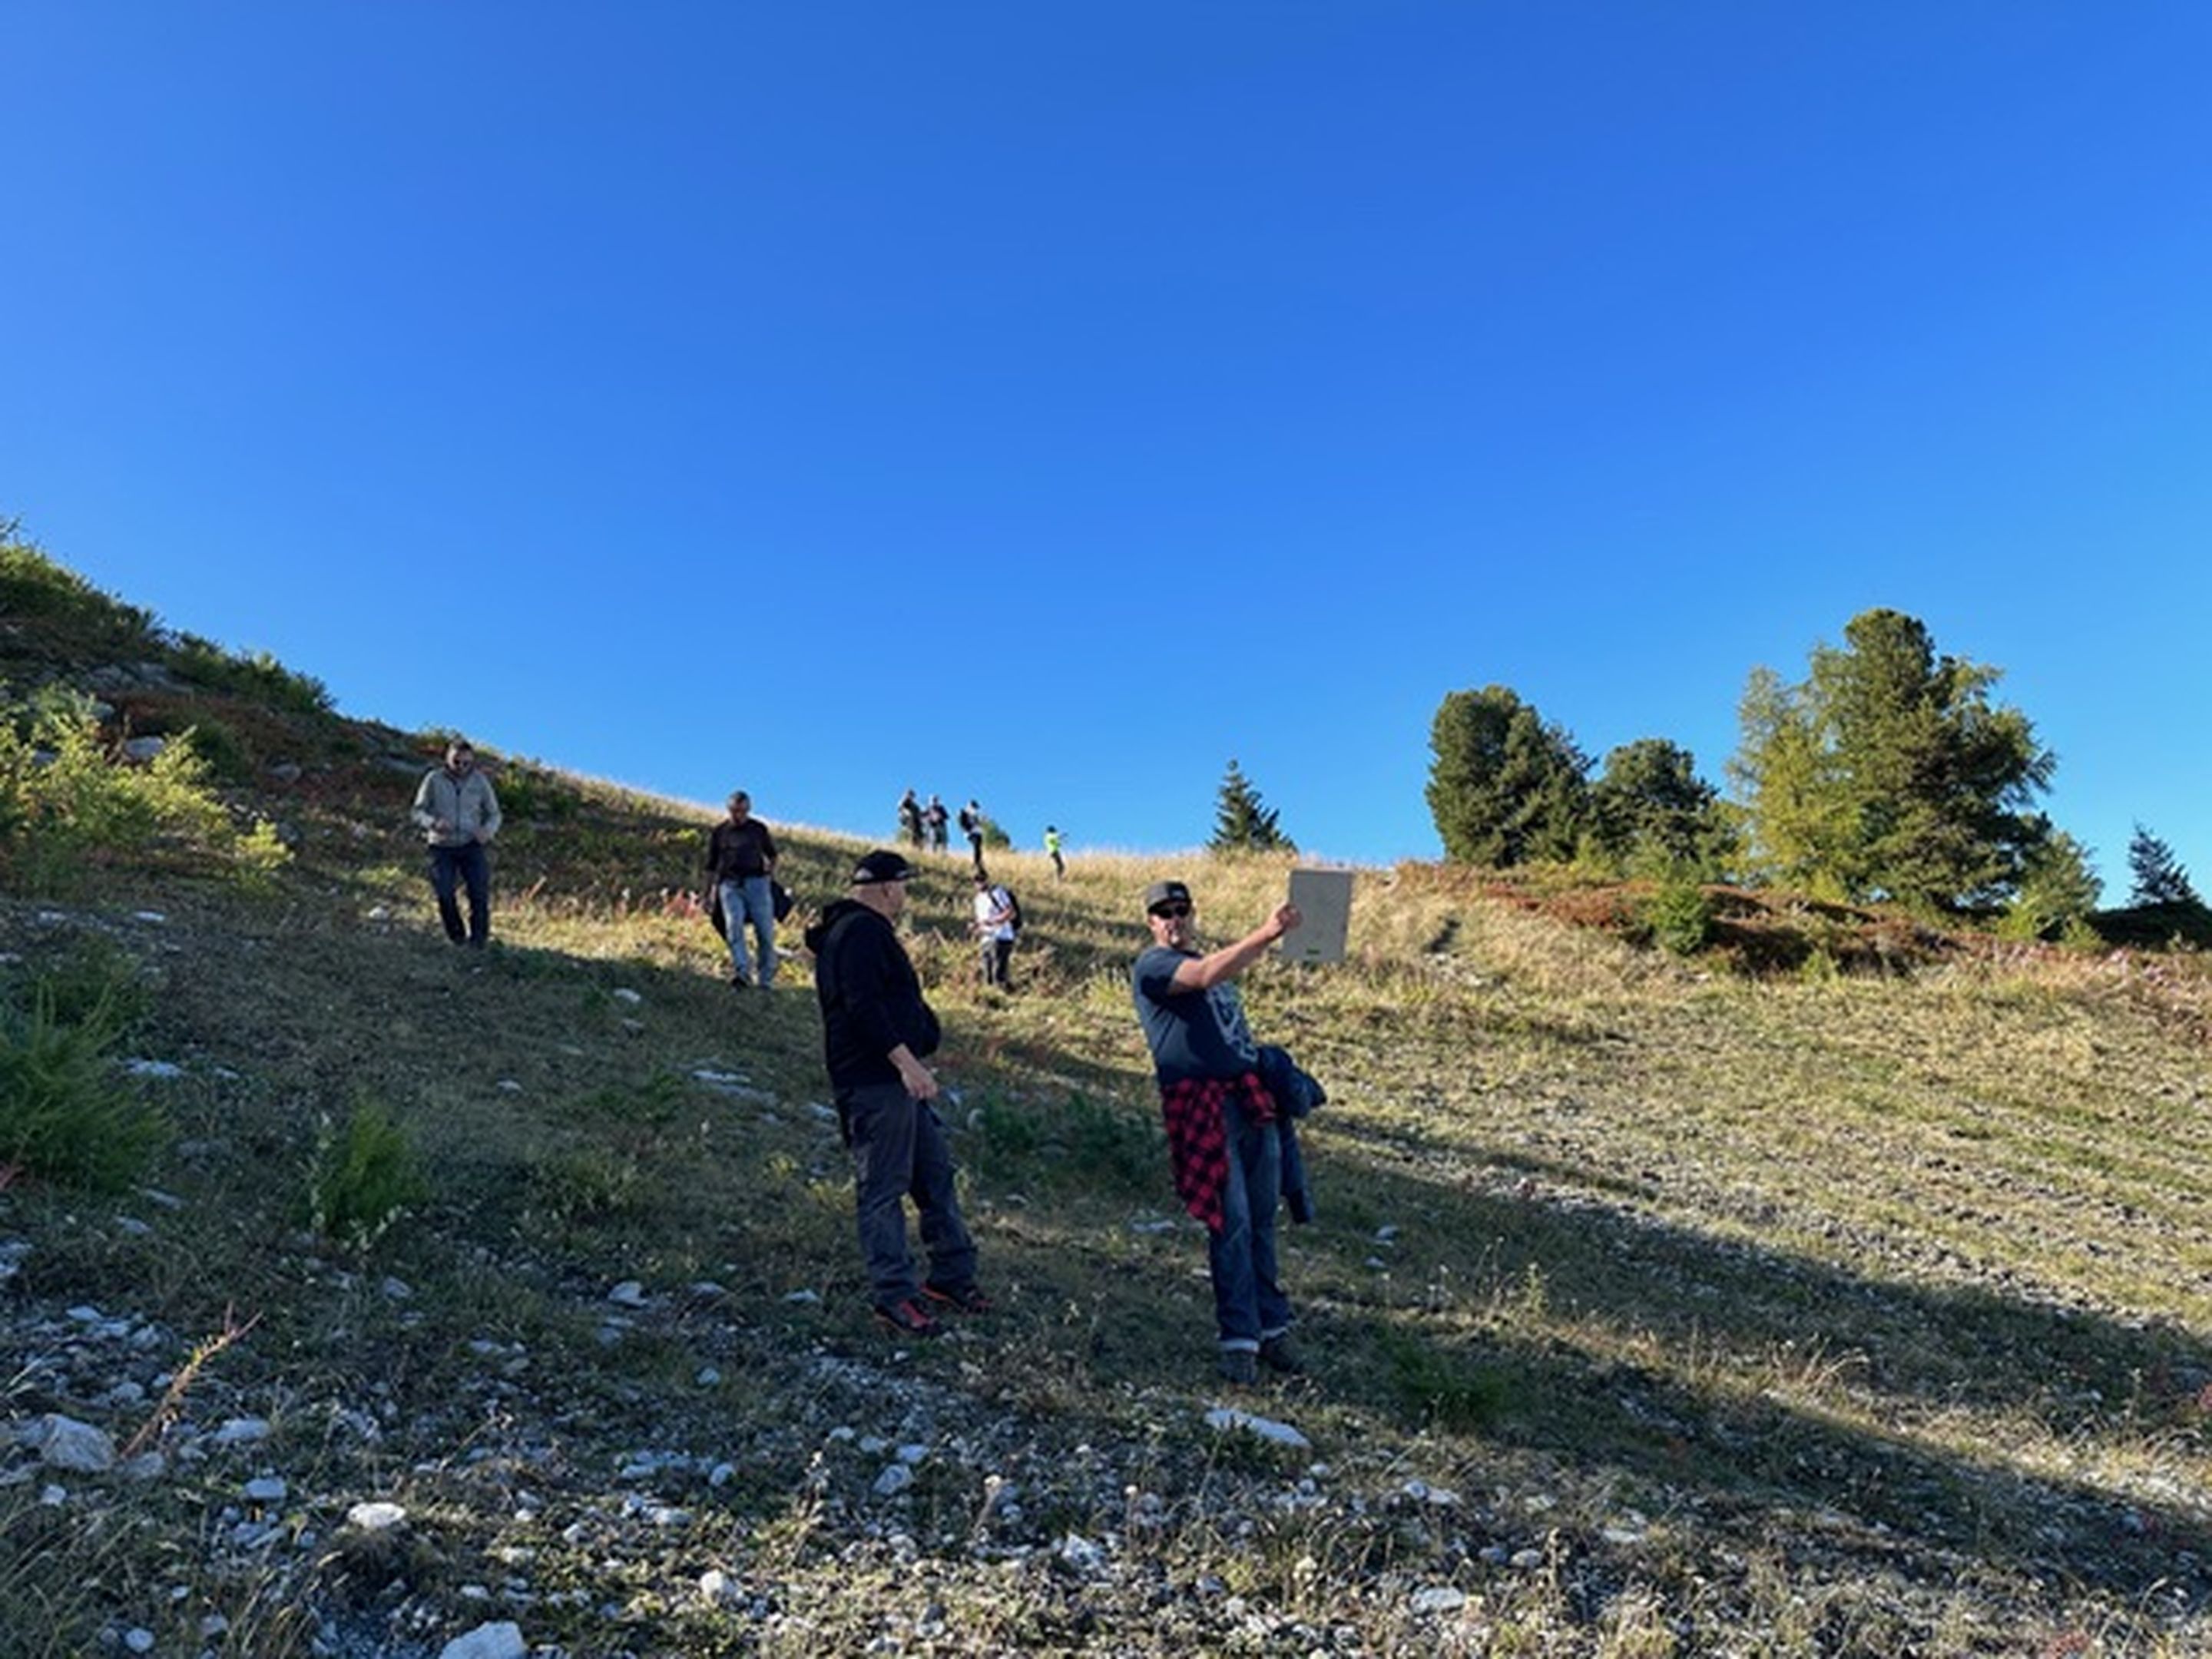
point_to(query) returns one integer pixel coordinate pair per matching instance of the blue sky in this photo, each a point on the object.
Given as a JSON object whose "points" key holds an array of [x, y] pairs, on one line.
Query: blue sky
{"points": [[1050, 403]]}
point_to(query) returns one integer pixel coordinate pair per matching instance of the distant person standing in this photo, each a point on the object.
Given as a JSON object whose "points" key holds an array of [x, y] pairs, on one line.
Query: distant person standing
{"points": [[459, 814], [996, 925], [971, 825], [935, 817], [1052, 851], [876, 1030], [740, 861], [909, 810], [1220, 1120]]}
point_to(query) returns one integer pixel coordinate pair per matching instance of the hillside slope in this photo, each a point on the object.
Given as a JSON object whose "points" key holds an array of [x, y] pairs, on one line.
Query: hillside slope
{"points": [[1657, 1309]]}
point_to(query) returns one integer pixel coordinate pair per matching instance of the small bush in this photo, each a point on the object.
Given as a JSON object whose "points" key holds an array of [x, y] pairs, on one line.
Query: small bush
{"points": [[365, 1177], [68, 805], [257, 677], [1680, 915], [228, 759], [1441, 1389], [534, 792], [586, 1185], [65, 1116]]}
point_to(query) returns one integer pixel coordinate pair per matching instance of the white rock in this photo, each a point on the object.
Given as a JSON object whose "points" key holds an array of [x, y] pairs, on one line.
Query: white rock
{"points": [[803, 1298], [153, 917], [1223, 1419], [240, 1432], [498, 1641], [143, 748], [508, 1086], [628, 1294], [1081, 1553], [62, 1442], [912, 1453], [376, 1516], [153, 1068], [707, 1377], [717, 1587], [138, 1639], [1439, 1598], [398, 1290], [53, 1497], [894, 1480], [623, 993], [270, 1489]]}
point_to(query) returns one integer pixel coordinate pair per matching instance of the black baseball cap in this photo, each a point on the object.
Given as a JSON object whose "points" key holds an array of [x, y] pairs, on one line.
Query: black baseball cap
{"points": [[1165, 892], [881, 866]]}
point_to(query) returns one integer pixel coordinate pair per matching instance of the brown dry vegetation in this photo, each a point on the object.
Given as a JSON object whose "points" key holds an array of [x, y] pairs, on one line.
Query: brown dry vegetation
{"points": [[1845, 1290]]}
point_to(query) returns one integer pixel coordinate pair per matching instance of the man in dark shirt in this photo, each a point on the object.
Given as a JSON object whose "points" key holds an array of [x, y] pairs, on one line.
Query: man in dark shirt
{"points": [[876, 1030], [740, 859], [1219, 1118]]}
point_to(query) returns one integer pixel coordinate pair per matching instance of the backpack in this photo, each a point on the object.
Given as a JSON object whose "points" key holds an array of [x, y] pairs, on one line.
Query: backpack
{"points": [[1013, 908]]}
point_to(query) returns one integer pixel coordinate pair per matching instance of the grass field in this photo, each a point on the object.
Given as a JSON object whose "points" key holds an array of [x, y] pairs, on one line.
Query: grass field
{"points": [[1658, 1307]]}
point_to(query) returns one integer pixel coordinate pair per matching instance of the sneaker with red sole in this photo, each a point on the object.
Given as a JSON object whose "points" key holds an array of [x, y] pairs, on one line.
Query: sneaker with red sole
{"points": [[970, 1299], [908, 1318]]}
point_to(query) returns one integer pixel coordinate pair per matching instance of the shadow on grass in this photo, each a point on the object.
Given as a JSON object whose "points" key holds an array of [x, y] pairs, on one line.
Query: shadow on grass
{"points": [[1704, 1425]]}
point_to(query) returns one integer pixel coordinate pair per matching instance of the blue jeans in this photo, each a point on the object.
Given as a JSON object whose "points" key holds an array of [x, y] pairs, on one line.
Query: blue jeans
{"points": [[751, 900], [1248, 1305], [899, 1151], [468, 865]]}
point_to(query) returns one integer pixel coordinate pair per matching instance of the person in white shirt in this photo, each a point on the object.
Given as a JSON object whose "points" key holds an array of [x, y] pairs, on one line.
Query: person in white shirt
{"points": [[996, 926]]}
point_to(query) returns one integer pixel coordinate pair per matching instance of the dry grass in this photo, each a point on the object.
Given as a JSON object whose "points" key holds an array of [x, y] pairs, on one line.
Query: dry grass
{"points": [[1863, 1314]]}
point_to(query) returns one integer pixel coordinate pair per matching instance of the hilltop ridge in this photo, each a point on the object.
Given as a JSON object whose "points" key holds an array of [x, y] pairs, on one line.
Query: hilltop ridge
{"points": [[1842, 1291]]}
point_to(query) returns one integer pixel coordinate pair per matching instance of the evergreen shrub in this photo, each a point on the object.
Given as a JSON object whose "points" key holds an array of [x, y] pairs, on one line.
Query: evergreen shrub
{"points": [[365, 1176], [66, 1115], [1680, 915]]}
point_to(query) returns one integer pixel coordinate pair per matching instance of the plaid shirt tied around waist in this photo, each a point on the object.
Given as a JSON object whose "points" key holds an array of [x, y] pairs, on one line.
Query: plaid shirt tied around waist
{"points": [[1194, 1111]]}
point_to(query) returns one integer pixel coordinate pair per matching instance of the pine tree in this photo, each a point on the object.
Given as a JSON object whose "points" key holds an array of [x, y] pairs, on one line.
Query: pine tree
{"points": [[1242, 823], [1504, 786], [1889, 772], [2159, 877], [1650, 804]]}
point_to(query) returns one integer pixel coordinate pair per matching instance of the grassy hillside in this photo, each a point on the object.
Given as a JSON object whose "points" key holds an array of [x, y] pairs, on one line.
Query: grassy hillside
{"points": [[1845, 1290]]}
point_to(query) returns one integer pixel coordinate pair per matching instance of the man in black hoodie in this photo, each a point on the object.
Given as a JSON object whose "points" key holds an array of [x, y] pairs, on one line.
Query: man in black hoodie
{"points": [[876, 1032]]}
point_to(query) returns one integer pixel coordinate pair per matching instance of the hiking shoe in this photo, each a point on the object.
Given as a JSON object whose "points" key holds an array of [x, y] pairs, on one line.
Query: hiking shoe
{"points": [[908, 1318], [970, 1299], [1281, 1353], [1240, 1365]]}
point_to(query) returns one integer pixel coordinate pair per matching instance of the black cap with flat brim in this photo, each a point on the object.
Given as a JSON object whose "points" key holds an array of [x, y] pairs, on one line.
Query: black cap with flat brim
{"points": [[1165, 892], [880, 866]]}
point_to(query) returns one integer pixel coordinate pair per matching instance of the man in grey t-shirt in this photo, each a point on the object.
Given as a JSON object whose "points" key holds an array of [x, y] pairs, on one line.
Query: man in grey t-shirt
{"points": [[1220, 1119]]}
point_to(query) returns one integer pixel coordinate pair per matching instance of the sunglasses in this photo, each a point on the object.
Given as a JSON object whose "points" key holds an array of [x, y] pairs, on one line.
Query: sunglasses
{"points": [[1171, 912]]}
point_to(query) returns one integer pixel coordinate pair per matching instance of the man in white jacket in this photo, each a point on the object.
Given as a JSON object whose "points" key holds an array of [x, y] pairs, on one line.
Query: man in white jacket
{"points": [[458, 815]]}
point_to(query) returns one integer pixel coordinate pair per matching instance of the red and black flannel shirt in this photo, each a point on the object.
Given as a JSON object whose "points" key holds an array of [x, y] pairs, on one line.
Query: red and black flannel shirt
{"points": [[1197, 1135]]}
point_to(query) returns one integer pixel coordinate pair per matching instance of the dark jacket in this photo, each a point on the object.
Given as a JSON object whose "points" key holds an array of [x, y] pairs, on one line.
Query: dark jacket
{"points": [[1296, 1093], [737, 852], [870, 1000]]}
